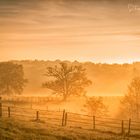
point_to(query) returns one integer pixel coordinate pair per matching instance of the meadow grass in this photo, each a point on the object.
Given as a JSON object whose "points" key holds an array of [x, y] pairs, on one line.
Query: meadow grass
{"points": [[11, 129]]}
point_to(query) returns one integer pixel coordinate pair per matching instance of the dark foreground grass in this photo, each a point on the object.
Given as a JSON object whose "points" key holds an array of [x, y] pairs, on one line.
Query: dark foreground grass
{"points": [[10, 129]]}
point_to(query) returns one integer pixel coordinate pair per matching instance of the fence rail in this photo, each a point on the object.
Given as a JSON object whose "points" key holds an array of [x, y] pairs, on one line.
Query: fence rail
{"points": [[69, 119]]}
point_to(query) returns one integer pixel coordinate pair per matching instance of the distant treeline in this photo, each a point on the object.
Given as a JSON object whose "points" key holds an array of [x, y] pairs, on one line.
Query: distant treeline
{"points": [[110, 79]]}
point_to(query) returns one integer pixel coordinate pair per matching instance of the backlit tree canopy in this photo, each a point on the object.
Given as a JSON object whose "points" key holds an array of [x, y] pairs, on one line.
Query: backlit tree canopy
{"points": [[11, 78], [95, 106], [131, 100], [67, 80]]}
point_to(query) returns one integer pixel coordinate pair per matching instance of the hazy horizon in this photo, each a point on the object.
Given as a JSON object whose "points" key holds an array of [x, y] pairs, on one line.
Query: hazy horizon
{"points": [[88, 61]]}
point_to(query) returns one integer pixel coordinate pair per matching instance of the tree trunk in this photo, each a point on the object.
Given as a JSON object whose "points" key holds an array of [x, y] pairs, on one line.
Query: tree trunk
{"points": [[64, 97], [65, 90]]}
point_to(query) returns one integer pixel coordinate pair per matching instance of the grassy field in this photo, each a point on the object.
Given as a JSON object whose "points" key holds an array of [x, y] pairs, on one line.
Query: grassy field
{"points": [[22, 124], [11, 129]]}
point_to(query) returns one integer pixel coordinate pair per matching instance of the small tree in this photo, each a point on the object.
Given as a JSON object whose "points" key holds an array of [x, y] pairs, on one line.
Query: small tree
{"points": [[95, 106], [67, 80], [11, 78], [131, 101]]}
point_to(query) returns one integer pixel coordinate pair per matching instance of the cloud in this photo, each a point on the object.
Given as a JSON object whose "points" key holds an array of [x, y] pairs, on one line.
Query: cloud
{"points": [[98, 25]]}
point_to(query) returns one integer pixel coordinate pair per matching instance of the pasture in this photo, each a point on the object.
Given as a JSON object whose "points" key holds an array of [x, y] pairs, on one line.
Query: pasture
{"points": [[19, 119]]}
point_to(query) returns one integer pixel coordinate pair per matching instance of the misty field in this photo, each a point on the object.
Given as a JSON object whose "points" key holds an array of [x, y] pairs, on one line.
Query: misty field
{"points": [[22, 121], [68, 113], [69, 69], [12, 129]]}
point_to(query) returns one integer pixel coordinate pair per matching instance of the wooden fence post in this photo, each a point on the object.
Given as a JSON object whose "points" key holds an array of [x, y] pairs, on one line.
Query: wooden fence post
{"points": [[37, 115], [9, 112], [0, 106], [122, 126], [129, 126], [66, 116], [63, 117], [93, 122]]}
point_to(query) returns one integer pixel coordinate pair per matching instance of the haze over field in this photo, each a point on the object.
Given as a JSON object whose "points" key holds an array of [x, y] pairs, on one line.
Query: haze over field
{"points": [[69, 69], [107, 79]]}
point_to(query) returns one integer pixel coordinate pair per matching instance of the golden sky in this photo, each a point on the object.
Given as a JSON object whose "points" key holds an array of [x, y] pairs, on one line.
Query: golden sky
{"points": [[84, 30]]}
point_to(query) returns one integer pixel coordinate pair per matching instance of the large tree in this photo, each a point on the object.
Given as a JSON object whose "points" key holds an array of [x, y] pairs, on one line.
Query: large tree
{"points": [[131, 101], [11, 78], [67, 80]]}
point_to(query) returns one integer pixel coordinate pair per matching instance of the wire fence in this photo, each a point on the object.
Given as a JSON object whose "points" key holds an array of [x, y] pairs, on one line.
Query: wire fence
{"points": [[69, 119]]}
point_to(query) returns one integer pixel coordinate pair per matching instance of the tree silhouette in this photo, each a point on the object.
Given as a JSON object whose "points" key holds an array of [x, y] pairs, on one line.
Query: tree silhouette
{"points": [[95, 106], [131, 101], [67, 80], [11, 78]]}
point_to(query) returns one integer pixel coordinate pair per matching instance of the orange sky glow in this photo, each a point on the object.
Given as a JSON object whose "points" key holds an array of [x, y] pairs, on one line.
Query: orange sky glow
{"points": [[83, 30]]}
